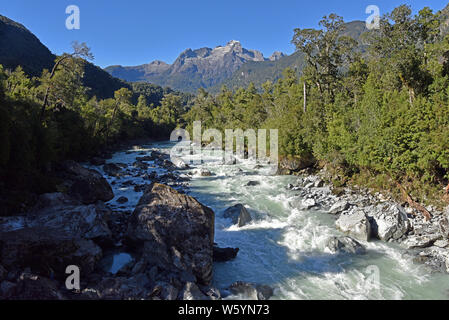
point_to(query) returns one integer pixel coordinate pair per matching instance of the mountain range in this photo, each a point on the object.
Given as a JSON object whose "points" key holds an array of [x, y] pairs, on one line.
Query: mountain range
{"points": [[193, 69], [230, 65]]}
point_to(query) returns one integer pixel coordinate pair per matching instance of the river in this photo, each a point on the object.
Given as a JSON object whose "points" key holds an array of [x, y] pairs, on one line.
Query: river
{"points": [[285, 247]]}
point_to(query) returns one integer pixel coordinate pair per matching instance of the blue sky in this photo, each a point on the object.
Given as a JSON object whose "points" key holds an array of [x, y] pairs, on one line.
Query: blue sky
{"points": [[134, 32]]}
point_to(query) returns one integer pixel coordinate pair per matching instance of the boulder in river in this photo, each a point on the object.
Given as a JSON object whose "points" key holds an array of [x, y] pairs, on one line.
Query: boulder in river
{"points": [[390, 222], [113, 170], [85, 185], [204, 173], [253, 184], [339, 207], [239, 215], [122, 200], [179, 163], [177, 231], [355, 224], [225, 254], [141, 165], [308, 204], [251, 291], [345, 245]]}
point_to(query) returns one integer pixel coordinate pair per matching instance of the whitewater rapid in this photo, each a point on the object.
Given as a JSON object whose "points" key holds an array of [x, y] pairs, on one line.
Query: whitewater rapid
{"points": [[285, 247]]}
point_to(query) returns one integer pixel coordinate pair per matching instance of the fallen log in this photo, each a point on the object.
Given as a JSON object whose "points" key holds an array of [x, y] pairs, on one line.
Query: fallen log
{"points": [[414, 204]]}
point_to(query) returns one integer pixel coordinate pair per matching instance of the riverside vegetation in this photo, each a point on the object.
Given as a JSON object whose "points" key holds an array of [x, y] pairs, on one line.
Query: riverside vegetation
{"points": [[375, 113]]}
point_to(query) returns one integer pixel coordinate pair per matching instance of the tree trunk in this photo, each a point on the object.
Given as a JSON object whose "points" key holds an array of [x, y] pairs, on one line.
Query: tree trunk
{"points": [[305, 97], [47, 92], [413, 203]]}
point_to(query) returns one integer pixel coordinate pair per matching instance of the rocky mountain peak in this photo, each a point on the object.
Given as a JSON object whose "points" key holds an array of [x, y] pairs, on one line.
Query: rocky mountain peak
{"points": [[276, 56]]}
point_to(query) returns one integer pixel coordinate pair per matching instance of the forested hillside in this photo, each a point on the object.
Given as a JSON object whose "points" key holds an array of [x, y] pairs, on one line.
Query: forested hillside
{"points": [[262, 71], [378, 118]]}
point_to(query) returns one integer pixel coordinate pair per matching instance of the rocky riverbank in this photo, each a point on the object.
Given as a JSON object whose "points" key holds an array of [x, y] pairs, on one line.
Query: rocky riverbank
{"points": [[145, 238], [365, 217], [163, 249]]}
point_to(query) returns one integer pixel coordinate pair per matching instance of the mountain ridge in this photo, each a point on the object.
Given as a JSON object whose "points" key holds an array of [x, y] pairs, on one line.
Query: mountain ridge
{"points": [[203, 67], [231, 65]]}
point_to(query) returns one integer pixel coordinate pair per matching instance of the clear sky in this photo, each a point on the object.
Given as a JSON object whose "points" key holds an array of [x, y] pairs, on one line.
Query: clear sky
{"points": [[134, 32]]}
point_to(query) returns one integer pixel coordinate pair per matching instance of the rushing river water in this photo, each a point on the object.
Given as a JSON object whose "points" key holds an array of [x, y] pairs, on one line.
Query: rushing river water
{"points": [[285, 247]]}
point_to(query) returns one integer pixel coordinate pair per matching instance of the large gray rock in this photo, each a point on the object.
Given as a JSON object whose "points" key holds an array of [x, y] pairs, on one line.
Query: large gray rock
{"points": [[420, 241], [436, 258], [57, 233], [177, 231], [86, 185], [391, 223], [238, 214], [339, 207], [345, 245], [355, 224]]}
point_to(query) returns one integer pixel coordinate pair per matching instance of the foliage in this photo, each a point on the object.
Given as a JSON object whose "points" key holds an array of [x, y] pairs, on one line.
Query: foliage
{"points": [[379, 112]]}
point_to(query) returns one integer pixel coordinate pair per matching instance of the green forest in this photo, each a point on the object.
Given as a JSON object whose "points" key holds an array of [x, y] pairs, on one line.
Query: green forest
{"points": [[373, 113], [376, 114], [54, 117]]}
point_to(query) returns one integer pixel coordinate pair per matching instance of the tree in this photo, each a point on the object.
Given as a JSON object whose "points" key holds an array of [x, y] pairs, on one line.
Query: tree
{"points": [[79, 51], [326, 51]]}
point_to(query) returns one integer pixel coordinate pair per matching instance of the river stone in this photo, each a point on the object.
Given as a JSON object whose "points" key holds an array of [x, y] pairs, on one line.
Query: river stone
{"points": [[444, 227], [251, 291], [179, 163], [192, 292], [420, 241], [346, 245], [339, 207], [86, 185], [113, 170], [308, 204], [204, 173], [391, 223], [122, 200], [225, 254], [141, 165], [253, 184], [355, 224], [441, 243], [239, 215], [436, 258], [177, 231]]}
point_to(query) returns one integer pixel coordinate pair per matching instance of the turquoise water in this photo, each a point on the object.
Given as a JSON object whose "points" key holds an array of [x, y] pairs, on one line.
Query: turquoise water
{"points": [[284, 247]]}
